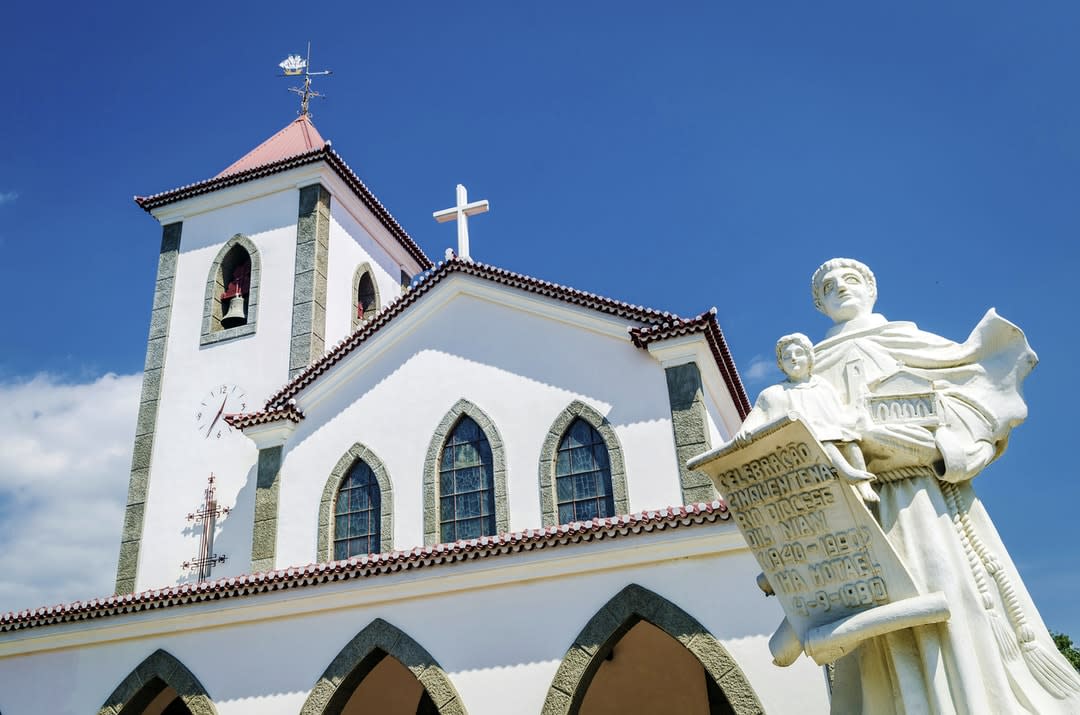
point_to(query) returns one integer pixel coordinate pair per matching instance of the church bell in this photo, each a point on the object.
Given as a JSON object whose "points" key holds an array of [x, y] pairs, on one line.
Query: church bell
{"points": [[234, 314]]}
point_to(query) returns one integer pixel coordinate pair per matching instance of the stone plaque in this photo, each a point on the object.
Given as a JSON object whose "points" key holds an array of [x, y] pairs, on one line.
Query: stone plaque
{"points": [[821, 550]]}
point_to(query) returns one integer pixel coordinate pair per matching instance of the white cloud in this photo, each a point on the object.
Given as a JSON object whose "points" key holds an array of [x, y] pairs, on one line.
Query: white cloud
{"points": [[7, 197], [762, 371], [65, 454]]}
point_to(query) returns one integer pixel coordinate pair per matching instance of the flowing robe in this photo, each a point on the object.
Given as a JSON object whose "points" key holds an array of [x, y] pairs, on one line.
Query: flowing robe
{"points": [[994, 654]]}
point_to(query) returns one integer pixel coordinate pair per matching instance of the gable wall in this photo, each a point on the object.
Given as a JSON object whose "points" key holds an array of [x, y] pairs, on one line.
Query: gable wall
{"points": [[521, 369], [182, 458]]}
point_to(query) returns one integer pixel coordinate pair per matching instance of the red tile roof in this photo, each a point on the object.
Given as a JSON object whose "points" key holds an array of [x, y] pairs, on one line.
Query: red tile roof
{"points": [[232, 177], [705, 323], [270, 414], [299, 137], [371, 566]]}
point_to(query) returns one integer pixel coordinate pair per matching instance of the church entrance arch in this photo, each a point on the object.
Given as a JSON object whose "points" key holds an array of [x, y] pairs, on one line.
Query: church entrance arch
{"points": [[160, 685], [382, 669], [639, 635]]}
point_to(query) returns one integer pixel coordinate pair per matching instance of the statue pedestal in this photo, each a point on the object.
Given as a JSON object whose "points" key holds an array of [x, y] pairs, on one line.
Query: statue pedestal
{"points": [[826, 558]]}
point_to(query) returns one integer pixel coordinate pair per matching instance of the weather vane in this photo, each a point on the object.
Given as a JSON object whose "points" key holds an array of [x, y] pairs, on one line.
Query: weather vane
{"points": [[296, 66]]}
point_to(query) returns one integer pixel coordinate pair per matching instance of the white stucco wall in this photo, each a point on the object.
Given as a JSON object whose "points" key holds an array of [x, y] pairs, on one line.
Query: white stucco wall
{"points": [[350, 246], [182, 457], [520, 368], [499, 627]]}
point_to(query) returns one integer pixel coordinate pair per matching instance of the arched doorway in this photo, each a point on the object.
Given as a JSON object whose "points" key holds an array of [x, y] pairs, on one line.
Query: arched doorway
{"points": [[648, 671], [383, 670], [642, 653], [160, 685]]}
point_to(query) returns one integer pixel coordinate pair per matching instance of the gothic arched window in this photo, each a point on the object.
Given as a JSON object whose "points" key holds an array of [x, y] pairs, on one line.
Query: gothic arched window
{"points": [[357, 513], [583, 475], [466, 484]]}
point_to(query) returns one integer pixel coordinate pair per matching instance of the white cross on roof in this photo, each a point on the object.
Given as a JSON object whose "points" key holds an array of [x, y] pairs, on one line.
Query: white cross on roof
{"points": [[461, 213]]}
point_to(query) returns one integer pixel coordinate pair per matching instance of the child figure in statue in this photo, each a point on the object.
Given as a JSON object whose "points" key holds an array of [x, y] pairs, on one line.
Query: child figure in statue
{"points": [[818, 406]]}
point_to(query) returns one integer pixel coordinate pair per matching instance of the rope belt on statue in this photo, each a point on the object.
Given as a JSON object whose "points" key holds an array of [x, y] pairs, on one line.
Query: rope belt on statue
{"points": [[1015, 637], [899, 475], [1044, 666]]}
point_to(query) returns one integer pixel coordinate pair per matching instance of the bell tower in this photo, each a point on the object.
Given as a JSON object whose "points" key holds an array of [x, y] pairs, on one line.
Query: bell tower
{"points": [[256, 276]]}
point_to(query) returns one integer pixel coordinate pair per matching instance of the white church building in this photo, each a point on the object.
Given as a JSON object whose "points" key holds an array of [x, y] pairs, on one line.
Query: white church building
{"points": [[439, 488]]}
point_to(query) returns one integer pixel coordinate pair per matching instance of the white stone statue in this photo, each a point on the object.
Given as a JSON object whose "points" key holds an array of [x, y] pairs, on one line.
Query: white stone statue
{"points": [[930, 415], [818, 404]]}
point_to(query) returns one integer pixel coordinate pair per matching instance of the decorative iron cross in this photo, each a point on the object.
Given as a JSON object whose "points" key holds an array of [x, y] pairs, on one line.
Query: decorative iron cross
{"points": [[461, 213], [207, 515]]}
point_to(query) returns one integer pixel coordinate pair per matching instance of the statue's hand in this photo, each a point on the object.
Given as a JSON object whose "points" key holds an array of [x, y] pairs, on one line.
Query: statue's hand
{"points": [[741, 439]]}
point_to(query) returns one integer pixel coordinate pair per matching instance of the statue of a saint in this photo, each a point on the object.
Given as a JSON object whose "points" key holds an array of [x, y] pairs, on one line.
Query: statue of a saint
{"points": [[818, 405], [934, 413]]}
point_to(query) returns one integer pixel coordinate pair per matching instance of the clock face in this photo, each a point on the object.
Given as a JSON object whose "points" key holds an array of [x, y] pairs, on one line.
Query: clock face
{"points": [[210, 414]]}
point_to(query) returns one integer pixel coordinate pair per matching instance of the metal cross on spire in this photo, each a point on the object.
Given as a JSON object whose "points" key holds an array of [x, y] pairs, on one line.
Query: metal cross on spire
{"points": [[461, 213], [295, 66], [207, 514]]}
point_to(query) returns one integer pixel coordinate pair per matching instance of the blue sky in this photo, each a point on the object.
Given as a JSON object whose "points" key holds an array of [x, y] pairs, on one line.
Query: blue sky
{"points": [[677, 156]]}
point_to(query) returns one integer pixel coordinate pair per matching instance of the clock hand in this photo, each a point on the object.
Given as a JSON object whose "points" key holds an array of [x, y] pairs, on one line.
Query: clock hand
{"points": [[216, 417]]}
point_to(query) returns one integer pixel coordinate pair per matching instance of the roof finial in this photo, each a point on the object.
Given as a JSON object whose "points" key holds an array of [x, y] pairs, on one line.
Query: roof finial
{"points": [[294, 66]]}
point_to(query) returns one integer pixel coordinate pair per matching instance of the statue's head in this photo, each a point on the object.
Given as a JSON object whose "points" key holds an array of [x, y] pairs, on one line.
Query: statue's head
{"points": [[843, 289], [795, 356]]}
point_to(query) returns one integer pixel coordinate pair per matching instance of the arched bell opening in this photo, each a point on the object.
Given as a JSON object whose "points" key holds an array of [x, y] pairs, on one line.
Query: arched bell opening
{"points": [[230, 307], [236, 278], [365, 295]]}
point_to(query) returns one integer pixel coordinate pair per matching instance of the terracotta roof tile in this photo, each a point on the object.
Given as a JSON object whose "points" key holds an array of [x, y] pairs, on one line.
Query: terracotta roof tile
{"points": [[705, 323], [271, 414], [373, 565]]}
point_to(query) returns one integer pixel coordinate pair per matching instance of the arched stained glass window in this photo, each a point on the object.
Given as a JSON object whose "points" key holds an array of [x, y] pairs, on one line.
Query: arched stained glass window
{"points": [[466, 484], [583, 475], [357, 513]]}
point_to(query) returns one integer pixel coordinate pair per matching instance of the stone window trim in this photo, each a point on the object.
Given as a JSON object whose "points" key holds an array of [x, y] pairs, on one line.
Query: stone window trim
{"points": [[626, 609], [357, 276], [431, 468], [549, 510], [136, 690], [355, 453], [215, 286], [362, 653]]}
